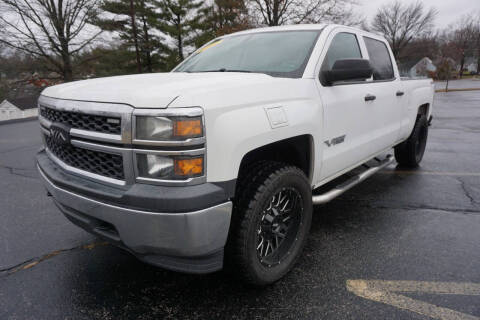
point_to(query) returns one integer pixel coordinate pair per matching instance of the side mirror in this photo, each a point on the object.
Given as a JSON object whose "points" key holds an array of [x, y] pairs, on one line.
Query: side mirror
{"points": [[348, 69]]}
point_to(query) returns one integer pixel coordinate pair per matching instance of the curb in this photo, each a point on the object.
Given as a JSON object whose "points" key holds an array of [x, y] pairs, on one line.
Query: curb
{"points": [[18, 120], [451, 90]]}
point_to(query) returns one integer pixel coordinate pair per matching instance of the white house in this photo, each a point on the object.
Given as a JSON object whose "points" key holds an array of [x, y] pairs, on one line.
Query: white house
{"points": [[471, 65], [421, 68], [18, 108]]}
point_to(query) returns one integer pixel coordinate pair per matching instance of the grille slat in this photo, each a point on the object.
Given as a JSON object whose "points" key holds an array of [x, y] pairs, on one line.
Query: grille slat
{"points": [[83, 121], [101, 163]]}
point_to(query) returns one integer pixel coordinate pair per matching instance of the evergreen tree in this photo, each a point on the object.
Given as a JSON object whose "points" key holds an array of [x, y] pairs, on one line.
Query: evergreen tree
{"points": [[222, 17], [179, 20], [105, 61], [229, 16], [134, 21]]}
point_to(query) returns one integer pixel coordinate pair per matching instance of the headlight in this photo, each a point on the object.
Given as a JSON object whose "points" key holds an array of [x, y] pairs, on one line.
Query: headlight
{"points": [[158, 167], [153, 166], [168, 128], [173, 146]]}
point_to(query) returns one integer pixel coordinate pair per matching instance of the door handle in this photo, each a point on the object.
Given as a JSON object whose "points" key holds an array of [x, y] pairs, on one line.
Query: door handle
{"points": [[370, 97], [400, 93]]}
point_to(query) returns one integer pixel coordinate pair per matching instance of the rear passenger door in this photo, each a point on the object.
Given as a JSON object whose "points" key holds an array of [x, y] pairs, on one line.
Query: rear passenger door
{"points": [[386, 110]]}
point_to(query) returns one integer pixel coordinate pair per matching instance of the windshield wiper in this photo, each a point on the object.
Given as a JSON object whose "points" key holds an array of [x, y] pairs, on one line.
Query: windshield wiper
{"points": [[226, 70]]}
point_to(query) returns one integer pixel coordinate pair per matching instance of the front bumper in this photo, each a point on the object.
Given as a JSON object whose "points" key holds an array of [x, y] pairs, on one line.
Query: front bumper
{"points": [[183, 241]]}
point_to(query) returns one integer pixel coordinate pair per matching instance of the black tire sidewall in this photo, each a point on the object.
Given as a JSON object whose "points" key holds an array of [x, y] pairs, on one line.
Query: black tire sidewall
{"points": [[422, 125], [290, 179], [406, 153]]}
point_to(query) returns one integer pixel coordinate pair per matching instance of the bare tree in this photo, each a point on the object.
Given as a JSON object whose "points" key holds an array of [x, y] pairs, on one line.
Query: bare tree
{"points": [[476, 38], [280, 12], [446, 60], [401, 23], [462, 38], [423, 46], [55, 30]]}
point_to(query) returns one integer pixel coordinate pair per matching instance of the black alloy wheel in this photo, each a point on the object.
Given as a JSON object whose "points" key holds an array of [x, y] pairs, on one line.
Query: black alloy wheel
{"points": [[270, 223], [279, 226]]}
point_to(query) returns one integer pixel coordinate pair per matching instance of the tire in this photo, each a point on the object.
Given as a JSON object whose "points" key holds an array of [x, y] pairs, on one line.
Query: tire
{"points": [[410, 152], [273, 206]]}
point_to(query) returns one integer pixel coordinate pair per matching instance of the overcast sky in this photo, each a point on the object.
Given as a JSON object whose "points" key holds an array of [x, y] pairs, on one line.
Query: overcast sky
{"points": [[448, 10]]}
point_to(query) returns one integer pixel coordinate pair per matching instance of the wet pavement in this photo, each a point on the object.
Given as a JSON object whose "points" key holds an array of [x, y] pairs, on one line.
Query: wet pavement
{"points": [[420, 226], [471, 83]]}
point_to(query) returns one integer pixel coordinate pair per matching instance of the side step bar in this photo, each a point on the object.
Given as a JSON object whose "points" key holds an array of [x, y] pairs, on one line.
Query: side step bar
{"points": [[341, 188]]}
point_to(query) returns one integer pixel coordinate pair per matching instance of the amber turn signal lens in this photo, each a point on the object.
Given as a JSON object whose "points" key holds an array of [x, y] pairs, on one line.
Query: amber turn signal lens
{"points": [[188, 128], [189, 167]]}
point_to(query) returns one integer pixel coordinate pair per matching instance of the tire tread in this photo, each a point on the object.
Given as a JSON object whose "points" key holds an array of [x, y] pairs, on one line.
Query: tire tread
{"points": [[405, 151], [249, 193]]}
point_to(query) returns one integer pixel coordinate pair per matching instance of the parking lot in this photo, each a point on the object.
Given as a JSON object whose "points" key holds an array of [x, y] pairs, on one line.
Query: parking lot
{"points": [[461, 84], [405, 244]]}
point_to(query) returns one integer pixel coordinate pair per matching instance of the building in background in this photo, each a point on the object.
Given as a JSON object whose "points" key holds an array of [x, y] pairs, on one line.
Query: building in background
{"points": [[471, 65], [25, 107], [417, 68]]}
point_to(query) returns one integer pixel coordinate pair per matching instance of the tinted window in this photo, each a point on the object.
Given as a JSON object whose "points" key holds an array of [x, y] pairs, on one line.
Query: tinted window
{"points": [[282, 54], [343, 46], [379, 59]]}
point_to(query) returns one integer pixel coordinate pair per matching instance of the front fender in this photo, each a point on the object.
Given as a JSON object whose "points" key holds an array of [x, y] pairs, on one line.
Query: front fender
{"points": [[233, 132]]}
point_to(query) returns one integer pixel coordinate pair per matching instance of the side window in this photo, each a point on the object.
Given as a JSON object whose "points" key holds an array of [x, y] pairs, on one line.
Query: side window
{"points": [[344, 46], [379, 59]]}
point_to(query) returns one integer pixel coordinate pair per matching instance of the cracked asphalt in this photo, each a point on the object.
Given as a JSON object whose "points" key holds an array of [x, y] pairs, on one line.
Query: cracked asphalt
{"points": [[418, 225]]}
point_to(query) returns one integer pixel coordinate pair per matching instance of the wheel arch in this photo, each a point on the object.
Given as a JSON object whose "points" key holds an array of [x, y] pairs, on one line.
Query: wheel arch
{"points": [[297, 151], [424, 109]]}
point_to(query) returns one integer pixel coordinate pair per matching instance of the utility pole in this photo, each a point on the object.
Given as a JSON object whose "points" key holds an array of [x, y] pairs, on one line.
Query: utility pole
{"points": [[134, 30]]}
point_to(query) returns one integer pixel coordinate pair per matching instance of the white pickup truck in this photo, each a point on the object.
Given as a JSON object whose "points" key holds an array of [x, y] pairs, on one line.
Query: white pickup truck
{"points": [[219, 160]]}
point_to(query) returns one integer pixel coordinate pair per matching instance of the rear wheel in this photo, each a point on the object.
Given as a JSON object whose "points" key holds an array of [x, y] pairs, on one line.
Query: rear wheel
{"points": [[272, 218], [410, 152]]}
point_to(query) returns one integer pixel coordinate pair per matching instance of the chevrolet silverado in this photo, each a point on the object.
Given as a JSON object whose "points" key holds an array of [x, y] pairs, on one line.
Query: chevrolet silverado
{"points": [[220, 161]]}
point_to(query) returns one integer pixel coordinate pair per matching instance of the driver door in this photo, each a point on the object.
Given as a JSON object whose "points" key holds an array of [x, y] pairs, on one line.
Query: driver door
{"points": [[347, 123]]}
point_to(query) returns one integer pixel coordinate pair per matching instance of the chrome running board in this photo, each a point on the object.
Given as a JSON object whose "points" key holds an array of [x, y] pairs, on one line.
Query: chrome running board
{"points": [[350, 183]]}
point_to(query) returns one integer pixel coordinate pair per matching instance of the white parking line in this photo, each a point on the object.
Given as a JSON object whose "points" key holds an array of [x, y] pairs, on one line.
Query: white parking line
{"points": [[383, 291]]}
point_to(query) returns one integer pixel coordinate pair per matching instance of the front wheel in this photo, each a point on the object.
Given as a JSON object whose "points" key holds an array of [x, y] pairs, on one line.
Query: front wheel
{"points": [[272, 218], [410, 152]]}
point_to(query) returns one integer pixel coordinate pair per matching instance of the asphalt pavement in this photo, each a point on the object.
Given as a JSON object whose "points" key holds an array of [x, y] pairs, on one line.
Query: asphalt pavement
{"points": [[404, 244], [471, 83]]}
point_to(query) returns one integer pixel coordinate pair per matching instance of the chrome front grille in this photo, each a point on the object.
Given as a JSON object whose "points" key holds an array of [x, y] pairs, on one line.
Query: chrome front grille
{"points": [[83, 121], [99, 143], [101, 163], [93, 130]]}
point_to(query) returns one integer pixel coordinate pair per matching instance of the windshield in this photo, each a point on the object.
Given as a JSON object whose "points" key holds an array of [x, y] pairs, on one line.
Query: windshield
{"points": [[279, 54]]}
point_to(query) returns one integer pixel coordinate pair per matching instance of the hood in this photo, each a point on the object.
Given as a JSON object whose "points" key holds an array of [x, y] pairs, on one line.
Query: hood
{"points": [[154, 90]]}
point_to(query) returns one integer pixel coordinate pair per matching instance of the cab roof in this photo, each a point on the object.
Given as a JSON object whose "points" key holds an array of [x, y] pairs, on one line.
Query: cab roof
{"points": [[296, 27]]}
